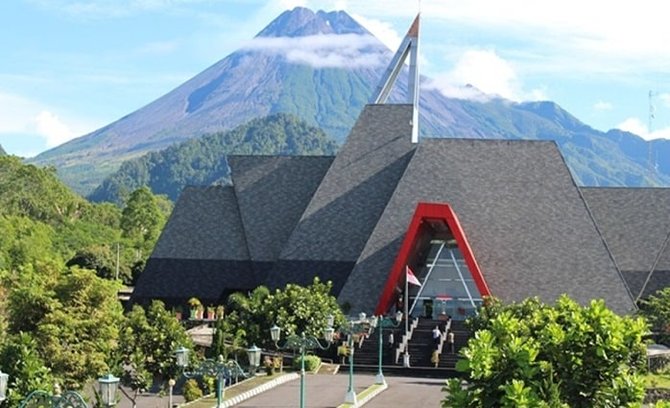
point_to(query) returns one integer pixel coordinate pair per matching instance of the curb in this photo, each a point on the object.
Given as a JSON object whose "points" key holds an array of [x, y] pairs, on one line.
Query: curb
{"points": [[368, 397], [261, 388]]}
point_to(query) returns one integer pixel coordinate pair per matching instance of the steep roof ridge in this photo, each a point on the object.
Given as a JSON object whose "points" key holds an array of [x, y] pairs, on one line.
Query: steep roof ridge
{"points": [[356, 187], [239, 213], [487, 210], [653, 266], [598, 231]]}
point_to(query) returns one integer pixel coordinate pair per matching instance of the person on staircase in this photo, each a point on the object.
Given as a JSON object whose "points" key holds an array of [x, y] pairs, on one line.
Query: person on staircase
{"points": [[435, 358], [450, 341], [436, 336]]}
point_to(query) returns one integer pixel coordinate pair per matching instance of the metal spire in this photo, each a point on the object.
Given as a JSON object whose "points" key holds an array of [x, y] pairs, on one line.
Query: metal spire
{"points": [[408, 47]]}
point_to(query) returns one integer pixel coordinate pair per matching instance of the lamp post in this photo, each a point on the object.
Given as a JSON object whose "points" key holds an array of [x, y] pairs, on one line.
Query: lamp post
{"points": [[222, 370], [354, 327], [302, 343], [68, 399], [171, 383], [4, 378], [383, 321], [108, 386]]}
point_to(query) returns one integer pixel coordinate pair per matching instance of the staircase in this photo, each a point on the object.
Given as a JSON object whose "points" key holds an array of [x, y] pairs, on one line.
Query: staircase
{"points": [[421, 346], [461, 336]]}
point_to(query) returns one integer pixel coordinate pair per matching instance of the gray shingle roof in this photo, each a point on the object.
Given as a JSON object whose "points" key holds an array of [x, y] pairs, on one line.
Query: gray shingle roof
{"points": [[356, 188], [205, 224], [524, 217], [273, 192], [634, 222], [177, 280], [202, 250]]}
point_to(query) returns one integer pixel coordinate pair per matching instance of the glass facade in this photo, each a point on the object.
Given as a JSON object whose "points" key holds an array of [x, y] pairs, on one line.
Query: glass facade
{"points": [[448, 288]]}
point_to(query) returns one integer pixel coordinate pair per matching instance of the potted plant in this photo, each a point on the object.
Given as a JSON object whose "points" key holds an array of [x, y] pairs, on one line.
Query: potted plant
{"points": [[211, 312], [200, 313], [219, 312], [178, 312], [194, 304]]}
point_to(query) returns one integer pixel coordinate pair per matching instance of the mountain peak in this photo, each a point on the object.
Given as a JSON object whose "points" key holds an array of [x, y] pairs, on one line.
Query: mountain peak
{"points": [[302, 21]]}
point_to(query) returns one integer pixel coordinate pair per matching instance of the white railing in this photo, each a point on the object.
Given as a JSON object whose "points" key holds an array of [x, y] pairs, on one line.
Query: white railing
{"points": [[404, 341]]}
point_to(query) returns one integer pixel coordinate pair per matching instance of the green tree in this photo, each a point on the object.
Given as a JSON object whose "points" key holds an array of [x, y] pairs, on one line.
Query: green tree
{"points": [[535, 355], [149, 340], [142, 220], [228, 339], [656, 309], [27, 370], [31, 295], [132, 358], [81, 332], [72, 315], [296, 309], [102, 260]]}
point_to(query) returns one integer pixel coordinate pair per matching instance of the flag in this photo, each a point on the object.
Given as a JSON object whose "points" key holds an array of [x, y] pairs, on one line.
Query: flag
{"points": [[411, 278]]}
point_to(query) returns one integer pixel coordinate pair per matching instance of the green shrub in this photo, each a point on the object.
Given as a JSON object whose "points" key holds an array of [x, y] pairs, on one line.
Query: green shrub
{"points": [[209, 384], [311, 363], [192, 391], [536, 355]]}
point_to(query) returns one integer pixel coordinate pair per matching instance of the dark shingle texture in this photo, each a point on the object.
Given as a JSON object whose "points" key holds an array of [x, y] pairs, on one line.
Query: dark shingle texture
{"points": [[303, 273], [634, 222], [356, 188], [526, 222], [205, 224], [177, 280], [273, 192], [658, 280], [202, 250]]}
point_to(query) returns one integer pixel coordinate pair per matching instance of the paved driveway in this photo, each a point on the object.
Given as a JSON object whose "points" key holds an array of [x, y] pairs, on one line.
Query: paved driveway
{"points": [[326, 391], [409, 392]]}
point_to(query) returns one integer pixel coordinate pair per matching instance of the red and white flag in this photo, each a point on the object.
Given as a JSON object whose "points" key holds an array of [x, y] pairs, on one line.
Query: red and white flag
{"points": [[411, 278]]}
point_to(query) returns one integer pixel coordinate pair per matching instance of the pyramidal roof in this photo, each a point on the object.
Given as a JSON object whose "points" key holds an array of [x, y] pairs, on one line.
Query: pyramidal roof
{"points": [[291, 219]]}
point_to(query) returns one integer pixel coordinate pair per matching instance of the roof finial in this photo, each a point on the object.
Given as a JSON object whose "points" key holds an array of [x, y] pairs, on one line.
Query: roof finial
{"points": [[408, 47]]}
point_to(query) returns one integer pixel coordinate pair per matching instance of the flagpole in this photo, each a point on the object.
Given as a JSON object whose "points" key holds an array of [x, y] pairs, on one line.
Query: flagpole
{"points": [[406, 304]]}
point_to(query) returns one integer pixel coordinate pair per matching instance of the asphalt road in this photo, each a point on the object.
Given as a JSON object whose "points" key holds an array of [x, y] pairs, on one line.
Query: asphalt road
{"points": [[328, 391]]}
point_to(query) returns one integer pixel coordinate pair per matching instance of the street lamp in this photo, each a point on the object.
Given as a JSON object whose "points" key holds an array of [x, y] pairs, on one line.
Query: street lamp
{"points": [[4, 378], [302, 343], [222, 370], [254, 354], [381, 322], [68, 399], [108, 386], [354, 327]]}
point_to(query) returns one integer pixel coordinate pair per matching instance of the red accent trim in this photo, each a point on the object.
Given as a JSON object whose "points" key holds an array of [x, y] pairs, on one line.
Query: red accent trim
{"points": [[423, 212]]}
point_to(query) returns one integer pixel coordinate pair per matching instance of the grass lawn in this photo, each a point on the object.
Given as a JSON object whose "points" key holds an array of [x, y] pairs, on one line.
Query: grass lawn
{"points": [[657, 380], [234, 390]]}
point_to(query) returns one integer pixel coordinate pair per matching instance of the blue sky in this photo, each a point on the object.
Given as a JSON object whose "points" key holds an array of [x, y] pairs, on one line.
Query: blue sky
{"points": [[69, 67]]}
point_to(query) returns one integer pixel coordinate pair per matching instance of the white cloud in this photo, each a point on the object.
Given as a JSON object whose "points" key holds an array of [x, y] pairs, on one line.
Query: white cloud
{"points": [[602, 106], [636, 126], [325, 50], [291, 4], [52, 128], [25, 117], [623, 36], [383, 30], [488, 73]]}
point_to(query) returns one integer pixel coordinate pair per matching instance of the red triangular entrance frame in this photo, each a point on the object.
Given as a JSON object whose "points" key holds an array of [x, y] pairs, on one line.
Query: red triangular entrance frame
{"points": [[425, 211]]}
